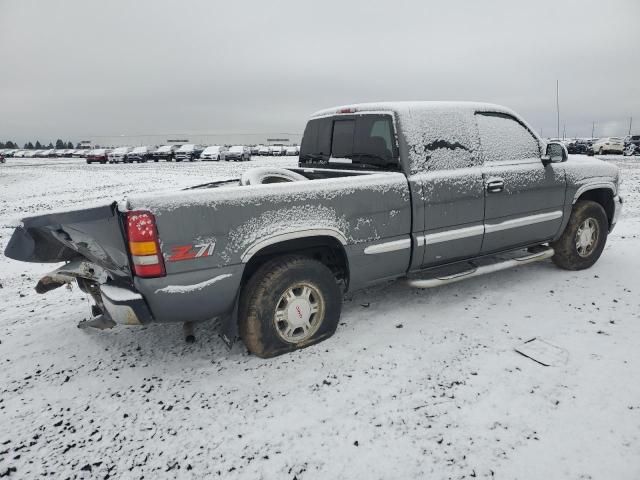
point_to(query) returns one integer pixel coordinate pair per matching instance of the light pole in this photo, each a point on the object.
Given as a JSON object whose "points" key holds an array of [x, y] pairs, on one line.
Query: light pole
{"points": [[558, 107]]}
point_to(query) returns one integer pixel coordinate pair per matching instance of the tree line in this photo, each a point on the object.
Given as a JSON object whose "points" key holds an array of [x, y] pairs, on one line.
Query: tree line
{"points": [[60, 144]]}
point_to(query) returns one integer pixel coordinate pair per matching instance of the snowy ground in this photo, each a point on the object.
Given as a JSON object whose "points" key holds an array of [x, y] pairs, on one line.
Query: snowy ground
{"points": [[415, 384]]}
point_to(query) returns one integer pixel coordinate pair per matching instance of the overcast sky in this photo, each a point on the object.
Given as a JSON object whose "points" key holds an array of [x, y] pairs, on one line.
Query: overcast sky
{"points": [[80, 68]]}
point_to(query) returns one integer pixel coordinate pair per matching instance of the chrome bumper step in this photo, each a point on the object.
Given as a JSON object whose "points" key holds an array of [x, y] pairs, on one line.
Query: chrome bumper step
{"points": [[462, 271]]}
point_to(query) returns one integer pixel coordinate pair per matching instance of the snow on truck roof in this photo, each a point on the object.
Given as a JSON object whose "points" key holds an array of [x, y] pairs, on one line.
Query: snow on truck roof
{"points": [[414, 106], [438, 135]]}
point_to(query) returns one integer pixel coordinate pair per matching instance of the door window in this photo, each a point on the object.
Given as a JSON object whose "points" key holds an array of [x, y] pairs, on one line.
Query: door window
{"points": [[503, 139]]}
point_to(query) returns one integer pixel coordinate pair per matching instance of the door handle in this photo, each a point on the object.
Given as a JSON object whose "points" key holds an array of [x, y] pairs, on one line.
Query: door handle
{"points": [[495, 185]]}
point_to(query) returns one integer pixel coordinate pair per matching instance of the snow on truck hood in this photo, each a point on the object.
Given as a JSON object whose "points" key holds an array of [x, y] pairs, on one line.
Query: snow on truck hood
{"points": [[581, 170]]}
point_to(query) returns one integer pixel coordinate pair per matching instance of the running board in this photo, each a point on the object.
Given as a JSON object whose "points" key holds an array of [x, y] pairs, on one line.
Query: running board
{"points": [[438, 278]]}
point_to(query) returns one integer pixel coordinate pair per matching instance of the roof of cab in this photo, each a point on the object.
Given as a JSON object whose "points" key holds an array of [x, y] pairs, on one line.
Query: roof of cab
{"points": [[405, 107]]}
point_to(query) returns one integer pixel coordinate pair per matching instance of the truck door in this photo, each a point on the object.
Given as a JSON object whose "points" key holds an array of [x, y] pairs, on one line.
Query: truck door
{"points": [[524, 198], [447, 189]]}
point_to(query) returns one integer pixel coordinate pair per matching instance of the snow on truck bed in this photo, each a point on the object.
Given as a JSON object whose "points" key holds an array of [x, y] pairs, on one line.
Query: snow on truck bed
{"points": [[415, 384]]}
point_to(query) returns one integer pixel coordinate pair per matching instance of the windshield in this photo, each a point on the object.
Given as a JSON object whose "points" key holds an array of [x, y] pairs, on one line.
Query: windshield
{"points": [[140, 150], [187, 148], [121, 150], [164, 148], [236, 149], [211, 149]]}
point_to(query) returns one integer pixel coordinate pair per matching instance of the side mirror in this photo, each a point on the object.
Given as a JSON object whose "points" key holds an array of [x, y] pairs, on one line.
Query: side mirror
{"points": [[556, 153]]}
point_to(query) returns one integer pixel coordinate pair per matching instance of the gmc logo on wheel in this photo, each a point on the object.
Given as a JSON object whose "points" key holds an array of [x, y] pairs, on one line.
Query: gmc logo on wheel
{"points": [[189, 252]]}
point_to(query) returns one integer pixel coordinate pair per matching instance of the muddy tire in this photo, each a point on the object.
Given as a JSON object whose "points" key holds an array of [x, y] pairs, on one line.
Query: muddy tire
{"points": [[584, 237], [289, 303]]}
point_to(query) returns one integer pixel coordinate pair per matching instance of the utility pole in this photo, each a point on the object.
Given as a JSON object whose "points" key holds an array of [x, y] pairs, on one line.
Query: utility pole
{"points": [[564, 131], [630, 123], [558, 106], [593, 128]]}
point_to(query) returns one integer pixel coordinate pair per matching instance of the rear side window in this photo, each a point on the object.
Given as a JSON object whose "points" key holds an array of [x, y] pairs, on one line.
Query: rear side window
{"points": [[504, 139], [316, 141]]}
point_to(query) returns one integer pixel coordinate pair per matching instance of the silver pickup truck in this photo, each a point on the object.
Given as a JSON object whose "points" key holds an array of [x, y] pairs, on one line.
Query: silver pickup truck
{"points": [[428, 192]]}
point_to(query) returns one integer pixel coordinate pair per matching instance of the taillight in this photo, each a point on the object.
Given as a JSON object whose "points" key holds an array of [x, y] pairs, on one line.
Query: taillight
{"points": [[144, 245], [347, 110]]}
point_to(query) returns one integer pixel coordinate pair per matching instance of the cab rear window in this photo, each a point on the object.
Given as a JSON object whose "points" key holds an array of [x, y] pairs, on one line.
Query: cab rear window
{"points": [[351, 141]]}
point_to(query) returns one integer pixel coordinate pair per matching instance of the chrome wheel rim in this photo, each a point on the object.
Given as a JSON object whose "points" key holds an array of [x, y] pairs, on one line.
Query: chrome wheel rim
{"points": [[299, 313], [587, 237]]}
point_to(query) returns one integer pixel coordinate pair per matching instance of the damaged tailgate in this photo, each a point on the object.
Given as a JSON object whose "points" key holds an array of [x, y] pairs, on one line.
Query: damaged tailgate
{"points": [[92, 234]]}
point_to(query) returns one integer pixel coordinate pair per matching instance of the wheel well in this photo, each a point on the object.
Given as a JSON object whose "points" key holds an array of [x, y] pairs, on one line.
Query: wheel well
{"points": [[604, 197], [324, 249]]}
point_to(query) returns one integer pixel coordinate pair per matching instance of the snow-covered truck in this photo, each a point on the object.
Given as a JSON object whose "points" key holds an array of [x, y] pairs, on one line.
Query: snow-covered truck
{"points": [[428, 192]]}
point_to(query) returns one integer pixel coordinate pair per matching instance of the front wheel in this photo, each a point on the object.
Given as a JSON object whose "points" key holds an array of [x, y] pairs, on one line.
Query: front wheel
{"points": [[289, 303], [584, 237]]}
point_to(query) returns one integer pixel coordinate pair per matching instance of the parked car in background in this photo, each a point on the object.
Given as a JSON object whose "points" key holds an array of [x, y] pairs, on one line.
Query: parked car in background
{"points": [[43, 153], [255, 149], [10, 153], [19, 154], [97, 155], [608, 145], [2, 160], [81, 152], [632, 145], [291, 150], [276, 150], [118, 155], [188, 152], [237, 153], [165, 152], [264, 151], [579, 147], [214, 152], [31, 153], [139, 154]]}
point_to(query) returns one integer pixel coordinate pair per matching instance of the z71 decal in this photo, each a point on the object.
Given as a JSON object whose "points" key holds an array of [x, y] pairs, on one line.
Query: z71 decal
{"points": [[189, 252]]}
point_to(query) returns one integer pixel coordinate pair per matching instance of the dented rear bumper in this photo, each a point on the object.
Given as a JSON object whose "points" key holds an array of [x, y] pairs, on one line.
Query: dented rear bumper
{"points": [[124, 306]]}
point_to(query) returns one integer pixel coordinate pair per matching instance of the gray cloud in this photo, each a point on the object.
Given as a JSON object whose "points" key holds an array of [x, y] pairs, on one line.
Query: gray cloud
{"points": [[81, 68]]}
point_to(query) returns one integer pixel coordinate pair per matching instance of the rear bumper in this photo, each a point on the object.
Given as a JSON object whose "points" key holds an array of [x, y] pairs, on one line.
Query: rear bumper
{"points": [[125, 306]]}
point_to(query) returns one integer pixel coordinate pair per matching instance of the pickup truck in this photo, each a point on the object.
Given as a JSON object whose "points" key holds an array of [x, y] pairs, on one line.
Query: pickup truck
{"points": [[428, 192]]}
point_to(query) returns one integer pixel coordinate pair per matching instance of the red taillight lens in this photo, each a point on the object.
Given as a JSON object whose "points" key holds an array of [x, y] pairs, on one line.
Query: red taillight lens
{"points": [[144, 245], [347, 110]]}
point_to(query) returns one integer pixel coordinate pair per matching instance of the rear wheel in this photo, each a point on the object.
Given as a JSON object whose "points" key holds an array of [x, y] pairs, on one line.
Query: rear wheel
{"points": [[584, 237], [289, 303]]}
